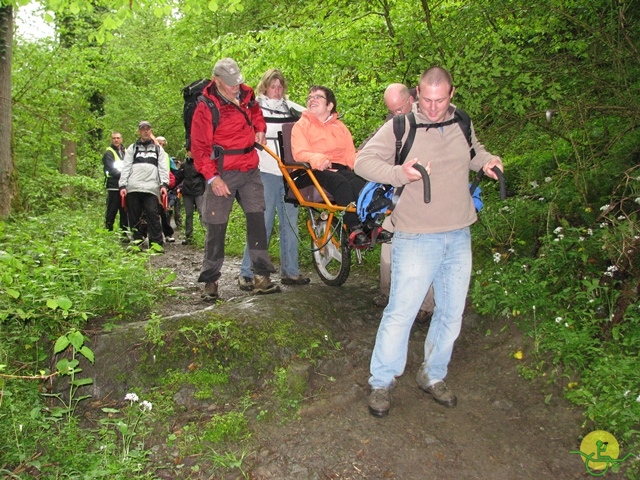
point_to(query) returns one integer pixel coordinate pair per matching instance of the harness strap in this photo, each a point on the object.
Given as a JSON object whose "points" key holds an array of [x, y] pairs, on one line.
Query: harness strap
{"points": [[218, 154]]}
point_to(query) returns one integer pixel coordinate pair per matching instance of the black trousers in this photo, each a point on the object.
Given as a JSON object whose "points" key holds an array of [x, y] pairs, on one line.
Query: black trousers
{"points": [[138, 202], [113, 208], [344, 185]]}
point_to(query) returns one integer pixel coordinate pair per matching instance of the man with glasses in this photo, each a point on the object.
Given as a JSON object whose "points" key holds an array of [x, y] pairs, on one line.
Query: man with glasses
{"points": [[112, 162], [224, 153]]}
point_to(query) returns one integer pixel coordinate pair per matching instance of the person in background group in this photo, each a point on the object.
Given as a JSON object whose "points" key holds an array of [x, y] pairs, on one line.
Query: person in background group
{"points": [[232, 173], [399, 100], [144, 182], [192, 186], [174, 198], [432, 241], [325, 143], [165, 213], [112, 162], [277, 109]]}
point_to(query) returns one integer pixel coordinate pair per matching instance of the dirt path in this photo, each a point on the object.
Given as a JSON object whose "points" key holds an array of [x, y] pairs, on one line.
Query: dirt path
{"points": [[502, 427]]}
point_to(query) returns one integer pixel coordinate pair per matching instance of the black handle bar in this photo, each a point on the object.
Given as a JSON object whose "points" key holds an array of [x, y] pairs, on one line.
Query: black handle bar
{"points": [[499, 174], [425, 182]]}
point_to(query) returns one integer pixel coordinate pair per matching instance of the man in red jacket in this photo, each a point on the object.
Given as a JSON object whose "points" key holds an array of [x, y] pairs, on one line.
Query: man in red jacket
{"points": [[224, 130]]}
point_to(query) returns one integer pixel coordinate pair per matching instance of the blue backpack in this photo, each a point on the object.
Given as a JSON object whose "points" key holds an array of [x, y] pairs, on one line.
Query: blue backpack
{"points": [[375, 199]]}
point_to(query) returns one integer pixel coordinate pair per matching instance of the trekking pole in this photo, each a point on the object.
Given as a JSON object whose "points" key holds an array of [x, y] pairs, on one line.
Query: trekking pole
{"points": [[499, 174], [425, 181]]}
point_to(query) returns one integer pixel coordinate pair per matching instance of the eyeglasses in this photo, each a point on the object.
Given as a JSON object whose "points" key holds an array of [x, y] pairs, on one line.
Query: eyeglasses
{"points": [[400, 110], [315, 97]]}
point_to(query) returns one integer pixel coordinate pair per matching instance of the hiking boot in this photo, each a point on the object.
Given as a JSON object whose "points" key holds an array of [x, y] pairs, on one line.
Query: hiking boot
{"points": [[381, 300], [210, 293], [439, 390], [245, 283], [423, 317], [170, 239], [262, 285], [379, 401], [187, 241], [298, 280]]}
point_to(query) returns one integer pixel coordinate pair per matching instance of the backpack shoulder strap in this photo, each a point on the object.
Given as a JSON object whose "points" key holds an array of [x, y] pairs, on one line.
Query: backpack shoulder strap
{"points": [[399, 125], [464, 121], [215, 113]]}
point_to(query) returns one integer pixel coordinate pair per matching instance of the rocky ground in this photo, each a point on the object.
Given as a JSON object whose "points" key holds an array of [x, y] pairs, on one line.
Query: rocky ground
{"points": [[504, 426]]}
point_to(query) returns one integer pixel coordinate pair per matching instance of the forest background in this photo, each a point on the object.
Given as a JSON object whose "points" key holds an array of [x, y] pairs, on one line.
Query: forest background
{"points": [[553, 87]]}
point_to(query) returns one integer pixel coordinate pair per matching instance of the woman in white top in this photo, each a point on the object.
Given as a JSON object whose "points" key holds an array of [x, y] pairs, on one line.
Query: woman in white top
{"points": [[277, 109]]}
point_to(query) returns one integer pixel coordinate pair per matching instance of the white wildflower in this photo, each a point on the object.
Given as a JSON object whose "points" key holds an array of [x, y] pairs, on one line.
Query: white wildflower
{"points": [[547, 179], [603, 224], [637, 200], [534, 184], [621, 217], [511, 250], [610, 270], [132, 397], [604, 207], [627, 393], [566, 324], [497, 257], [558, 319], [560, 237], [557, 230], [638, 399], [556, 239], [589, 232], [146, 405], [581, 239], [541, 199]]}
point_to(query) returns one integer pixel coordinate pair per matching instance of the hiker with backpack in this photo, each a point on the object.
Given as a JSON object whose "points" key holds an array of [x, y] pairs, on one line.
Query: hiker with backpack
{"points": [[191, 186], [112, 163], [432, 241], [277, 109], [144, 182], [226, 124]]}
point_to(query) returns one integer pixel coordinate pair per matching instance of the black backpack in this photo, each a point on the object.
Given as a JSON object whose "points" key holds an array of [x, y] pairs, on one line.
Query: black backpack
{"points": [[192, 94]]}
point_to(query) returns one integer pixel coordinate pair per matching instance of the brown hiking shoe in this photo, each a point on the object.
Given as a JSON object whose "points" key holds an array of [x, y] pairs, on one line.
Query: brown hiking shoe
{"points": [[379, 401], [245, 283], [439, 390], [262, 285], [210, 293]]}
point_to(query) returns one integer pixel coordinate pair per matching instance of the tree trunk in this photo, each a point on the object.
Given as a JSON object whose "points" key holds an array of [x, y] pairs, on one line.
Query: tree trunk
{"points": [[6, 152]]}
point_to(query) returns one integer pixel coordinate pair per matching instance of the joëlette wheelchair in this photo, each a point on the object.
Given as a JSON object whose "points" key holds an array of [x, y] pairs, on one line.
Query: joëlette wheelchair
{"points": [[329, 236]]}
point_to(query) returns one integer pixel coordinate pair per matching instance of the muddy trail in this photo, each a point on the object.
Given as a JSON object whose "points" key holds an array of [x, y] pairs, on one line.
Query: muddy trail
{"points": [[504, 427]]}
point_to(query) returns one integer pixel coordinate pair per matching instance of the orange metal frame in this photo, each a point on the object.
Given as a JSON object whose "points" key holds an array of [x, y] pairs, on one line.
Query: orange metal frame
{"points": [[327, 205]]}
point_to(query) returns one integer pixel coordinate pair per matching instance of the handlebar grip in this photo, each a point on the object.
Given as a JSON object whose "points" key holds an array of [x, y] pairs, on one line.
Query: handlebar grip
{"points": [[503, 185], [425, 182], [499, 174]]}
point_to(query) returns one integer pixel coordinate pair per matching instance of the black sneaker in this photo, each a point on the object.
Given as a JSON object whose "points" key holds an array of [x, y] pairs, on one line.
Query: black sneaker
{"points": [[379, 402], [299, 280]]}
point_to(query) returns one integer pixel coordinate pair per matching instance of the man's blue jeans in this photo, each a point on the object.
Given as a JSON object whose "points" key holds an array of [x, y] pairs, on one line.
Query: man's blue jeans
{"points": [[418, 260], [287, 217]]}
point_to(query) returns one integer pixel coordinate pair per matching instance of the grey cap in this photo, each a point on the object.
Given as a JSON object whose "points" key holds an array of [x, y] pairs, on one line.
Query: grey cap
{"points": [[143, 124], [228, 70]]}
